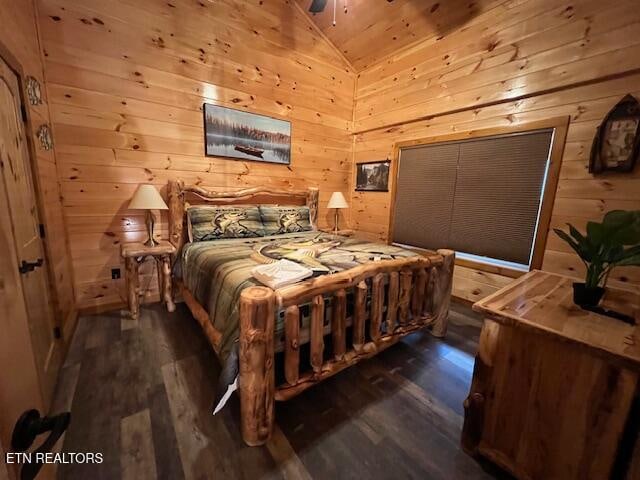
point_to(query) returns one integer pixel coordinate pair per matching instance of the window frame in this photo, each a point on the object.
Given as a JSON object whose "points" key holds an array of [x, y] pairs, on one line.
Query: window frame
{"points": [[560, 126]]}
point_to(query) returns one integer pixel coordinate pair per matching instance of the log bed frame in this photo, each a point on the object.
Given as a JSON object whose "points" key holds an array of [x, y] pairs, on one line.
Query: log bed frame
{"points": [[417, 297]]}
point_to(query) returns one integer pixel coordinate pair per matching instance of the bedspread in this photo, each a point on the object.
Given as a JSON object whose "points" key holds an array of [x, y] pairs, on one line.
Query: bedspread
{"points": [[216, 272]]}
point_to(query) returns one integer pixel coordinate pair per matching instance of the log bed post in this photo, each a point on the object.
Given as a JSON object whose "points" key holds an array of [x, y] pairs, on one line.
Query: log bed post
{"points": [[317, 333], [359, 315], [257, 378], [418, 294], [441, 282], [292, 344], [392, 304], [176, 214], [312, 202], [406, 277], [377, 305], [338, 324]]}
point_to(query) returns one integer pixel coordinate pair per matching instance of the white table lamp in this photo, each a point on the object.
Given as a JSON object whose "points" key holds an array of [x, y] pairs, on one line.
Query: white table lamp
{"points": [[336, 202], [147, 198]]}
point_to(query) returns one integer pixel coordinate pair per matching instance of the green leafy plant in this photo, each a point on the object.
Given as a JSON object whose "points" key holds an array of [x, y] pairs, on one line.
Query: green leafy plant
{"points": [[611, 243]]}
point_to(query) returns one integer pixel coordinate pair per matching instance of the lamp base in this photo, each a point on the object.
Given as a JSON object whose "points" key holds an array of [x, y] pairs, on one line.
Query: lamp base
{"points": [[150, 243], [150, 221]]}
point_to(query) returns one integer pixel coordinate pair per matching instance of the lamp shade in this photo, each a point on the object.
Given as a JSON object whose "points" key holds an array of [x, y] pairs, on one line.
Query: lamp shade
{"points": [[147, 198], [337, 200]]}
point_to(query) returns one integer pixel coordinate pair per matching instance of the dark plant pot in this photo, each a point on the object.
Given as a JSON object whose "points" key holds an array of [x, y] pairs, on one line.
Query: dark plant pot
{"points": [[587, 297]]}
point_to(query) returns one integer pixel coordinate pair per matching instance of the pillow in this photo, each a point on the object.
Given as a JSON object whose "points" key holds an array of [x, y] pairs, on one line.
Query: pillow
{"points": [[214, 222], [285, 219]]}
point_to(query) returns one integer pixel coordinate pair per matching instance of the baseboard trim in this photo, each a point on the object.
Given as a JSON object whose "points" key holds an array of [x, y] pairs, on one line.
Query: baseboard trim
{"points": [[462, 300], [102, 308], [109, 307], [69, 326]]}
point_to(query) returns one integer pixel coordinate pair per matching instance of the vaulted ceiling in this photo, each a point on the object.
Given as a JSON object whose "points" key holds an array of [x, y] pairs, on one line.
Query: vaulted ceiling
{"points": [[368, 30]]}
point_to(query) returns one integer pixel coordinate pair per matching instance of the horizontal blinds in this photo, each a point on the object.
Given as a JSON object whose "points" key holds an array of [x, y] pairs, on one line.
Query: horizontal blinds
{"points": [[424, 195], [495, 209], [479, 196]]}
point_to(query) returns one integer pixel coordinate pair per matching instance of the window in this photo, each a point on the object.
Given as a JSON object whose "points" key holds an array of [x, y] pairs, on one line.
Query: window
{"points": [[481, 196]]}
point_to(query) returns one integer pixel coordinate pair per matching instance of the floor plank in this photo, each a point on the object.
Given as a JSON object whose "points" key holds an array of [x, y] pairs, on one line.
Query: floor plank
{"points": [[141, 394], [285, 457], [168, 462], [137, 455]]}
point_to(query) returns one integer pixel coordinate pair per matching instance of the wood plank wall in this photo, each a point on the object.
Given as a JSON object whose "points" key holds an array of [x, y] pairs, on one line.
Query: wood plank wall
{"points": [[127, 79], [519, 62], [19, 37]]}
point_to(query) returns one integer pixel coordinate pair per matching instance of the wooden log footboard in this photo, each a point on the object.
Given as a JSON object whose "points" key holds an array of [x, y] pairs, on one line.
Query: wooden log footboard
{"points": [[391, 299]]}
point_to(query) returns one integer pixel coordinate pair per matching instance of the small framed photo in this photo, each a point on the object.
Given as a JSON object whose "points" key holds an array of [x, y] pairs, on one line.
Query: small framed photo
{"points": [[373, 176]]}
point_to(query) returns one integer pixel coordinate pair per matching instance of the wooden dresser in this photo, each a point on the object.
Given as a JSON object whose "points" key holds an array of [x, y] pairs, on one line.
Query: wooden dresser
{"points": [[556, 391]]}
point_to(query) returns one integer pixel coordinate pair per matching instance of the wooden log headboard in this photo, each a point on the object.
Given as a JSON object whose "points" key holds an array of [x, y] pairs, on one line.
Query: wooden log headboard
{"points": [[180, 195]]}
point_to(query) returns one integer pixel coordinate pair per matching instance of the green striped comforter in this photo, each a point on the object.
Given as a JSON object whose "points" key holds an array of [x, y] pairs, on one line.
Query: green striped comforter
{"points": [[216, 271]]}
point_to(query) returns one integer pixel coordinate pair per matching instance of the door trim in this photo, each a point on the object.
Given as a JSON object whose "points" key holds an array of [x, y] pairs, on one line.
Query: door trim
{"points": [[54, 357], [16, 67]]}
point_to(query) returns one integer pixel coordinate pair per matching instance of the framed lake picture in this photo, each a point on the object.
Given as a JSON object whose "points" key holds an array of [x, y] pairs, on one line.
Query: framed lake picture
{"points": [[373, 176], [246, 136]]}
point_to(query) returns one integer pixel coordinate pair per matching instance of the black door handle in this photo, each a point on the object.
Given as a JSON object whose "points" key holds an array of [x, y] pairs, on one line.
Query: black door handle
{"points": [[26, 267], [28, 427]]}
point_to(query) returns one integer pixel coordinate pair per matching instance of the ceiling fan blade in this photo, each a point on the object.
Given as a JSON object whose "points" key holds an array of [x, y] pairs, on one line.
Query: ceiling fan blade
{"points": [[317, 6]]}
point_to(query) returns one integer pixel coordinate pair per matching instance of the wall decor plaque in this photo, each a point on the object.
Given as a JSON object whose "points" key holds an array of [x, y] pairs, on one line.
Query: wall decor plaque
{"points": [[34, 92], [44, 136], [616, 146]]}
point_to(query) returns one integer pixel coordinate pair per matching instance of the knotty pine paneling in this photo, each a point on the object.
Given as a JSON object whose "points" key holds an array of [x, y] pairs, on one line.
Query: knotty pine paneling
{"points": [[535, 60], [368, 31], [502, 57], [127, 80], [19, 37]]}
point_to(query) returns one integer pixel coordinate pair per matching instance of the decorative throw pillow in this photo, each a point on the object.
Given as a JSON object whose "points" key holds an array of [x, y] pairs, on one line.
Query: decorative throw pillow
{"points": [[285, 219], [214, 222]]}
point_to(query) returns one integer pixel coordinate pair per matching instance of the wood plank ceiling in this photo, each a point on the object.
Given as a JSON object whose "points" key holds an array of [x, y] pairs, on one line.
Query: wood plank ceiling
{"points": [[366, 31]]}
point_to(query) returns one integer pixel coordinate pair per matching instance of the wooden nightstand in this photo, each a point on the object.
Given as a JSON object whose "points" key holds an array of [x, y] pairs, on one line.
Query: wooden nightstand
{"points": [[134, 253]]}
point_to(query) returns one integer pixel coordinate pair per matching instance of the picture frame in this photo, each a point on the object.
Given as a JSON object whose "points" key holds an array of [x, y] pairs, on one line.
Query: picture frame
{"points": [[616, 145], [247, 136], [373, 176]]}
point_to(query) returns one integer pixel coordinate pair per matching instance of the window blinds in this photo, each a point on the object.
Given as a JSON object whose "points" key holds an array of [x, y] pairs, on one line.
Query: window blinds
{"points": [[424, 196], [479, 196]]}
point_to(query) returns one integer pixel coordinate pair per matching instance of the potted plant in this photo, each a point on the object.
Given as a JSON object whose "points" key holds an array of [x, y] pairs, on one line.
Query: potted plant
{"points": [[611, 243]]}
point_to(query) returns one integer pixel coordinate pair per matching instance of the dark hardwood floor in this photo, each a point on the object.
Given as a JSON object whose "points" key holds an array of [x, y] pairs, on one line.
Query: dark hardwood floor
{"points": [[141, 391]]}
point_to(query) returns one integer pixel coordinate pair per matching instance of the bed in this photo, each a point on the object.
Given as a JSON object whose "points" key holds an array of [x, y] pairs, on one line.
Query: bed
{"points": [[286, 340]]}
